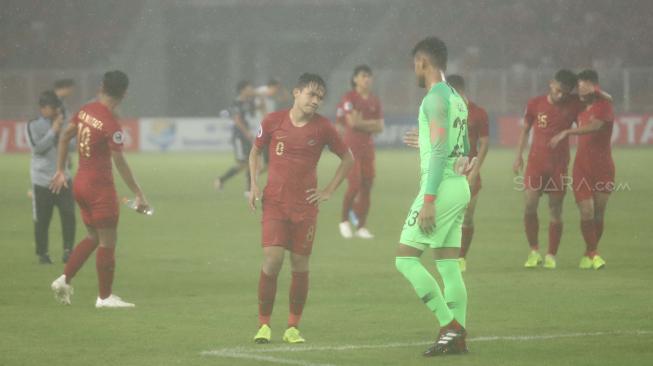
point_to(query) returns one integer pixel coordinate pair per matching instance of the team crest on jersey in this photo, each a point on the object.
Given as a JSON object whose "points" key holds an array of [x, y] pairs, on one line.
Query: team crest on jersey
{"points": [[118, 137], [311, 142], [260, 130], [348, 106]]}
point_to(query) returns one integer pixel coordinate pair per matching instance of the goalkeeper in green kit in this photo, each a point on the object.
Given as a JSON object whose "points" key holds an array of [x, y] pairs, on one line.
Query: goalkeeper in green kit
{"points": [[435, 217]]}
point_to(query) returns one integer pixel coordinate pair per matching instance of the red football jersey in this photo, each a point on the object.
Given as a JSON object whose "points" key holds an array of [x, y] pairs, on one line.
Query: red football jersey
{"points": [[294, 154], [547, 120], [594, 148], [98, 133], [477, 126], [369, 107]]}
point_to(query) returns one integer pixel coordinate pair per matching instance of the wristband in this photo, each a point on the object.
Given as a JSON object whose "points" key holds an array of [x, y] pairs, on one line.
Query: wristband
{"points": [[429, 198]]}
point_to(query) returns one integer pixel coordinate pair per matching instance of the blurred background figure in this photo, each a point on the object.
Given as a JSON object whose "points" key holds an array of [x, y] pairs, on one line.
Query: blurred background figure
{"points": [[242, 112], [43, 135], [64, 89], [272, 95]]}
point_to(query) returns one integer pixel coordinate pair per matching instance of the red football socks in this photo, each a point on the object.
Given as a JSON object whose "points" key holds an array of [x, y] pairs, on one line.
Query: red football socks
{"points": [[362, 202], [467, 235], [298, 294], [588, 229], [105, 264], [77, 258], [555, 233], [532, 226], [598, 225], [348, 201], [267, 290]]}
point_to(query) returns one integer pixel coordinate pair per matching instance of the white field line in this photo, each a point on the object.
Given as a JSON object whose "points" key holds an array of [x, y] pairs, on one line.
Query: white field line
{"points": [[249, 356], [251, 353]]}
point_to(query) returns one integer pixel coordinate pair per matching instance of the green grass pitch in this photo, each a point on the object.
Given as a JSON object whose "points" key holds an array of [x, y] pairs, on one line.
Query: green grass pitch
{"points": [[192, 270]]}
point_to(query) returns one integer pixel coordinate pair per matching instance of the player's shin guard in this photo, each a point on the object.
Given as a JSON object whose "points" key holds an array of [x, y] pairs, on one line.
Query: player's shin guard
{"points": [[532, 226], [298, 295], [588, 229], [105, 264], [467, 235], [425, 286], [555, 233], [455, 292], [267, 290], [77, 258]]}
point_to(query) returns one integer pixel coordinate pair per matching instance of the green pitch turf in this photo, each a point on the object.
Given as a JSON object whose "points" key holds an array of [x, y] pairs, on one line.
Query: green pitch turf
{"points": [[192, 270]]}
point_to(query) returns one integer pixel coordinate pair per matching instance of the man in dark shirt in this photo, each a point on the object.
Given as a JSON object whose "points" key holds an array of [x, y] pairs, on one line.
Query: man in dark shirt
{"points": [[241, 111]]}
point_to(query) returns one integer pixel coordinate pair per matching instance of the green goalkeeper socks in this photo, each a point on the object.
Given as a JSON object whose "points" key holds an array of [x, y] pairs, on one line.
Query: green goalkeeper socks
{"points": [[455, 293], [426, 287]]}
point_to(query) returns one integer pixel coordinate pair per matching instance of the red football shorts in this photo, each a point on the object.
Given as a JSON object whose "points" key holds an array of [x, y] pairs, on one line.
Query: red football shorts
{"points": [[98, 205], [551, 180], [291, 227], [590, 179], [363, 168]]}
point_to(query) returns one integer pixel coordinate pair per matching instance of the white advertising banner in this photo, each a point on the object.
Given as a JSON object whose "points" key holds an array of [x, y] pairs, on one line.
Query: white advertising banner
{"points": [[185, 134]]}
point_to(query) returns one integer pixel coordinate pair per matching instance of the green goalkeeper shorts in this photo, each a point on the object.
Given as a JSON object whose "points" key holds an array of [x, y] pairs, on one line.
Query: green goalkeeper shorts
{"points": [[452, 199]]}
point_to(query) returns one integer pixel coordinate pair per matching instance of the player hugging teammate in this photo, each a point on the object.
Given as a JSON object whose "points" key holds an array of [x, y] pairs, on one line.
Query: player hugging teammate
{"points": [[551, 117]]}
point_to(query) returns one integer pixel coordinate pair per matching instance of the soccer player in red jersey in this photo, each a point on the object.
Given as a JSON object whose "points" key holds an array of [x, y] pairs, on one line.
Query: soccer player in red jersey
{"points": [[478, 134], [593, 172], [99, 141], [546, 171], [295, 139], [361, 116]]}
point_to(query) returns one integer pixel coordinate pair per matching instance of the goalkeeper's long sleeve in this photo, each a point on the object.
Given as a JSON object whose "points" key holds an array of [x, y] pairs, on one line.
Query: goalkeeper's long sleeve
{"points": [[437, 164]]}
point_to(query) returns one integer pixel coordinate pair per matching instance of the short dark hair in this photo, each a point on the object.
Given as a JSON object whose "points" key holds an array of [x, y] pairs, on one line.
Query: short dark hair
{"points": [[435, 49], [64, 83], [242, 85], [357, 70], [49, 98], [566, 78], [589, 75], [115, 83], [307, 79], [457, 81]]}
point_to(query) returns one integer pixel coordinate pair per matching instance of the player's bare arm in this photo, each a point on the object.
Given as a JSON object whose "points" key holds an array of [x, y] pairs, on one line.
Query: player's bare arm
{"points": [[128, 177], [59, 179], [483, 146], [594, 126], [316, 196], [242, 127], [356, 121], [254, 162], [518, 165]]}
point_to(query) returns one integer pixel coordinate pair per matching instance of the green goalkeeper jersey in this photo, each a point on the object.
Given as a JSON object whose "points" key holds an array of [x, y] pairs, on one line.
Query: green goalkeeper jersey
{"points": [[444, 111]]}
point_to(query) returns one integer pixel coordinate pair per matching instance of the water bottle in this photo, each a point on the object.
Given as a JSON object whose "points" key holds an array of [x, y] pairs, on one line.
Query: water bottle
{"points": [[145, 210]]}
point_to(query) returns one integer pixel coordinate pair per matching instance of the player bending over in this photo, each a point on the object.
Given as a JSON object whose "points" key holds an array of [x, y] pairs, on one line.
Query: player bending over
{"points": [[546, 168]]}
